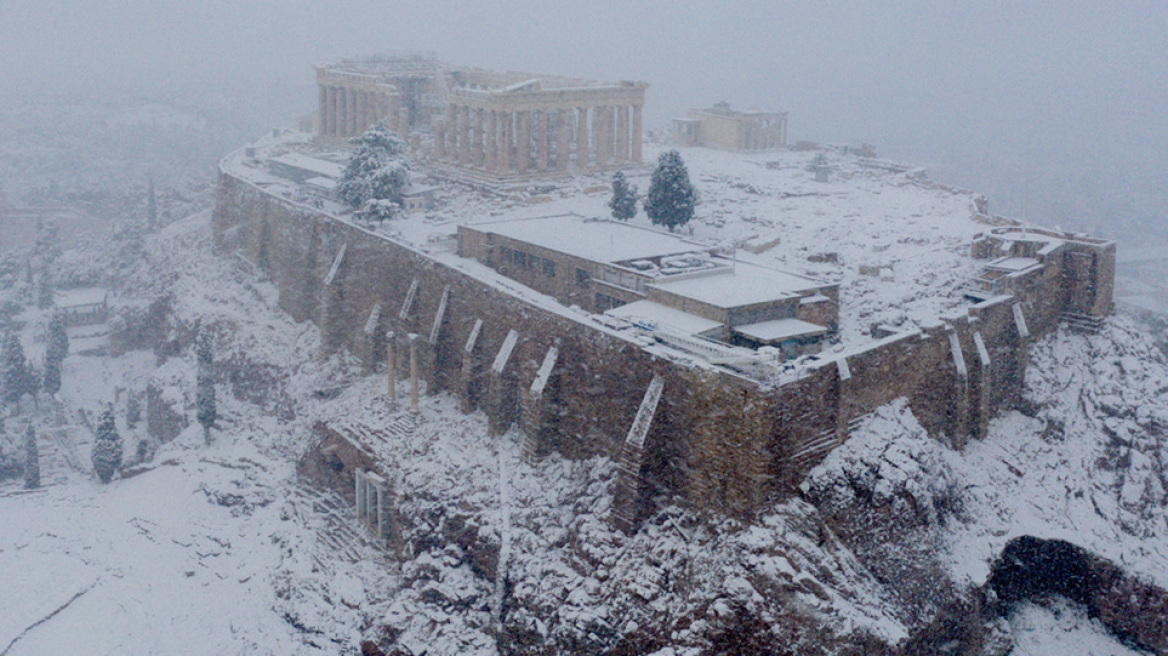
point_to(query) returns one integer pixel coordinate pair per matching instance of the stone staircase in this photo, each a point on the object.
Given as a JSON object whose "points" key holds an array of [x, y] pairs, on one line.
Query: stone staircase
{"points": [[1082, 323], [814, 449], [339, 535]]}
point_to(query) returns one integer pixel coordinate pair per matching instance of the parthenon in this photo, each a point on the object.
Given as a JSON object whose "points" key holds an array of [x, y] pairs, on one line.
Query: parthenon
{"points": [[488, 124]]}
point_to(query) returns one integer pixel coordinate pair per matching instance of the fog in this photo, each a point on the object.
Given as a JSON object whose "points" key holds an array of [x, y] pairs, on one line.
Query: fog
{"points": [[1054, 110]]}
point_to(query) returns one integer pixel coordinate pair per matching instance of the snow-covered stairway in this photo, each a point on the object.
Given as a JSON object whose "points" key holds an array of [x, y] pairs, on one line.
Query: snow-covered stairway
{"points": [[1083, 323], [810, 451], [337, 530]]}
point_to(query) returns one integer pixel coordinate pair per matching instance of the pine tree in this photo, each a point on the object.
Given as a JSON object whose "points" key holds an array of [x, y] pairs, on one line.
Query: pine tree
{"points": [[15, 380], [44, 298], [377, 174], [205, 391], [32, 460], [671, 198], [624, 198], [55, 352], [107, 447]]}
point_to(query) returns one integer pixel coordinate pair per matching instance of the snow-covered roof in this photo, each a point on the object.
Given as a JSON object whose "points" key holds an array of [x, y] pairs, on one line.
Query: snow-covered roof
{"points": [[67, 298], [1013, 263], [649, 314], [310, 164], [742, 284], [769, 332], [591, 239], [322, 182]]}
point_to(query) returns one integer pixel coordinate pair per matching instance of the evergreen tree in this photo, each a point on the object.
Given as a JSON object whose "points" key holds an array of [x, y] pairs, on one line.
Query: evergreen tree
{"points": [[32, 460], [377, 174], [624, 198], [15, 380], [55, 352], [133, 410], [107, 447], [44, 297], [205, 391], [671, 198]]}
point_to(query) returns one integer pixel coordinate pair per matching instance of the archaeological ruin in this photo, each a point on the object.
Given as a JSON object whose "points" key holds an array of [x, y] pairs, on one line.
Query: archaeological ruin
{"points": [[484, 124], [704, 375], [730, 129]]}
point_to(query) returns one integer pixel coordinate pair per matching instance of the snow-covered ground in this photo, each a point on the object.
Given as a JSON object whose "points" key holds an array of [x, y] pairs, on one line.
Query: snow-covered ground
{"points": [[222, 549]]}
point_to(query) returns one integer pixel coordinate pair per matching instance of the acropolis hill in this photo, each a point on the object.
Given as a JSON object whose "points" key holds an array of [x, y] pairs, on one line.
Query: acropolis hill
{"points": [[718, 364]]}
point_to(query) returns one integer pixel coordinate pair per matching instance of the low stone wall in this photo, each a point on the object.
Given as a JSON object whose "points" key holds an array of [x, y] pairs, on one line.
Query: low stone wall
{"points": [[726, 443]]}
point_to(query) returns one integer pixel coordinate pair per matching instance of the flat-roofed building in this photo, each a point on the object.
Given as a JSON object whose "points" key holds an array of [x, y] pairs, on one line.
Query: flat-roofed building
{"points": [[657, 280]]}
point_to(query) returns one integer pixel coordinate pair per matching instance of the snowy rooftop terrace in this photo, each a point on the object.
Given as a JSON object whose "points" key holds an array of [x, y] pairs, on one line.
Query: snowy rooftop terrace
{"points": [[897, 244]]}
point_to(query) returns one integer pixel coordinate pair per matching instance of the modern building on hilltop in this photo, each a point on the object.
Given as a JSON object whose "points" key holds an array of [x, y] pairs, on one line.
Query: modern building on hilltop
{"points": [[661, 281]]}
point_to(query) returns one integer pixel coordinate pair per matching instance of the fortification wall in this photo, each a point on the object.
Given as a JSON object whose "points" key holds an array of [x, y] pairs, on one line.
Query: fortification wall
{"points": [[726, 443]]}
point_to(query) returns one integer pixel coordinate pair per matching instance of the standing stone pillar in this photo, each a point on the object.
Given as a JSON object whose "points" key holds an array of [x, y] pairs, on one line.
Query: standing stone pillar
{"points": [[492, 155], [322, 110], [354, 128], [523, 141], [636, 135], [477, 136], [439, 138], [342, 112], [598, 136], [391, 361], [562, 125], [581, 137], [542, 125], [622, 134], [413, 374], [451, 149], [464, 136], [331, 109], [505, 132]]}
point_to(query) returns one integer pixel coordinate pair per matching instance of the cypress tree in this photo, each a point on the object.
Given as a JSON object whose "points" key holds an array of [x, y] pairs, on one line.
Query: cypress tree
{"points": [[15, 380], [624, 198], [32, 460], [205, 390], [55, 352], [671, 197], [107, 447]]}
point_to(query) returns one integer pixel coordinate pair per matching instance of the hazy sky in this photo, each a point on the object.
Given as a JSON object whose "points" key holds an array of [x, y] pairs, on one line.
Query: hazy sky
{"points": [[984, 87]]}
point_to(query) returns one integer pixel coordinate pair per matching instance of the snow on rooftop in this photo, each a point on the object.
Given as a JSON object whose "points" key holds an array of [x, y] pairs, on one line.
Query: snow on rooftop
{"points": [[1013, 263], [312, 164], [67, 298], [769, 332], [743, 284], [596, 240], [657, 316]]}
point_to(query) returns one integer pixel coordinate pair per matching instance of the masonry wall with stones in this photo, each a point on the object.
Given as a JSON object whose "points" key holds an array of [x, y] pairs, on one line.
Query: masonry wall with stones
{"points": [[723, 442]]}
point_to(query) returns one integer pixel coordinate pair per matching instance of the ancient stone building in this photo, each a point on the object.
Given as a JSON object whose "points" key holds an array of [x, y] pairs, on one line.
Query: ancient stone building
{"points": [[729, 129], [484, 124]]}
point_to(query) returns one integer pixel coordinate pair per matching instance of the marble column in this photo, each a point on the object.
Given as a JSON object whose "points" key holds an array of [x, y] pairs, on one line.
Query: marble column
{"points": [[331, 128], [581, 137], [563, 125], [403, 122], [321, 110], [601, 135], [439, 138], [451, 133], [635, 136], [413, 374], [622, 134], [354, 129], [342, 112], [492, 154], [541, 139], [391, 361], [523, 141], [464, 136], [506, 129], [478, 134]]}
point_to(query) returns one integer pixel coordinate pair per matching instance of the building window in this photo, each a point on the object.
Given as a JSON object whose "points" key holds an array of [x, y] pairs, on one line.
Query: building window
{"points": [[520, 258], [582, 277], [549, 268], [605, 302]]}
